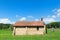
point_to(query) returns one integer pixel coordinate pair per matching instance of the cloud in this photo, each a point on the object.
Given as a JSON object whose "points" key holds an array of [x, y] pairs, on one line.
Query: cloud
{"points": [[6, 21], [53, 16], [23, 19], [30, 16], [36, 19], [54, 10], [48, 20], [57, 12]]}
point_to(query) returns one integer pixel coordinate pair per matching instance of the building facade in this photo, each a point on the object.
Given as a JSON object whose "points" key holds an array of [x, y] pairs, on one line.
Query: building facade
{"points": [[29, 28]]}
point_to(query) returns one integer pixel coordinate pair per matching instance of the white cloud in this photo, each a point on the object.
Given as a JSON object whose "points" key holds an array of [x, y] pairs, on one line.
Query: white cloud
{"points": [[54, 10], [48, 20], [5, 21], [23, 19], [30, 16], [53, 16], [11, 22], [36, 19], [58, 12]]}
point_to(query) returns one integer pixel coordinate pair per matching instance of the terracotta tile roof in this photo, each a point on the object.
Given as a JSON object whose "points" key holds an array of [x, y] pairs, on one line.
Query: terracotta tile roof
{"points": [[29, 23]]}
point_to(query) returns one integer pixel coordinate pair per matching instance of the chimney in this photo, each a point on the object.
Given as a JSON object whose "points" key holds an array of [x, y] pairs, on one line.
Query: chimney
{"points": [[41, 18]]}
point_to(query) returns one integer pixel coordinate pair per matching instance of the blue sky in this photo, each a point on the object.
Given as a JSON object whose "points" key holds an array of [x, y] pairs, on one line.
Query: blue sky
{"points": [[14, 10]]}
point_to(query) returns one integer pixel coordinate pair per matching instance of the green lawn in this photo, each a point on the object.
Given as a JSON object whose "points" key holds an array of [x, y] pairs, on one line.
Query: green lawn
{"points": [[7, 35]]}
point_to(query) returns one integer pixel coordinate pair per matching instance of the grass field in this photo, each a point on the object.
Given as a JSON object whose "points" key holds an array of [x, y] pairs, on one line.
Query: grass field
{"points": [[7, 35]]}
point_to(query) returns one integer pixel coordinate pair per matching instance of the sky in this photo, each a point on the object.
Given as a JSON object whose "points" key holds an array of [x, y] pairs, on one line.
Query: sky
{"points": [[19, 10]]}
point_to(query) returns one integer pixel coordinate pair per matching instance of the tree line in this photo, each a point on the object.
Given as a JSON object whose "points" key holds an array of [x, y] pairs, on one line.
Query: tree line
{"points": [[6, 26], [53, 25]]}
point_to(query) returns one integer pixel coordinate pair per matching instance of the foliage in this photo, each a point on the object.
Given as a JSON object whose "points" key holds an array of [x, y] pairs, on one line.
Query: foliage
{"points": [[6, 26], [53, 25]]}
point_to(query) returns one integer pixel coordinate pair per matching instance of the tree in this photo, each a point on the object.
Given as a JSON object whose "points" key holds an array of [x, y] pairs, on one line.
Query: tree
{"points": [[53, 24], [6, 26]]}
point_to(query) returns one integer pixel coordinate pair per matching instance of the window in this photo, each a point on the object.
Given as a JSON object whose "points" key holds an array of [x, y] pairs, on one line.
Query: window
{"points": [[37, 28]]}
